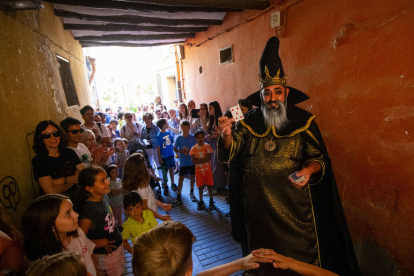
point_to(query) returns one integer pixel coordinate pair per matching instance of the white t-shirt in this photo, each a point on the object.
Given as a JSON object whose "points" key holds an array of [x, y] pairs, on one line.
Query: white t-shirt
{"points": [[127, 132], [116, 201], [84, 154], [104, 132], [84, 247], [148, 195]]}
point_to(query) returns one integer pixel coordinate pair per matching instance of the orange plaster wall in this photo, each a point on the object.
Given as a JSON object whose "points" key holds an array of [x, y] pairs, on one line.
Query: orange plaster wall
{"points": [[355, 59]]}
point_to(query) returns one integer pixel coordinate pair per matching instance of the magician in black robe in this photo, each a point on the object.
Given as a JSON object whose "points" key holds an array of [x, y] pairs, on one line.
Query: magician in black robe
{"points": [[307, 224]]}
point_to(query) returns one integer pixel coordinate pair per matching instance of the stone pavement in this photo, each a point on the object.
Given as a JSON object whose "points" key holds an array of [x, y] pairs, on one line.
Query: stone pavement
{"points": [[214, 245]]}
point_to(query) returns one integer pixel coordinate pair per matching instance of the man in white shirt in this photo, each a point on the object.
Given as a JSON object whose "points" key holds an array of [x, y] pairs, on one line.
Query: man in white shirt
{"points": [[73, 129], [100, 131]]}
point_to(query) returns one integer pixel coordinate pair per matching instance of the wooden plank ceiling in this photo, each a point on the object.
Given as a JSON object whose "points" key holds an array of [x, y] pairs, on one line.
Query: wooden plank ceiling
{"points": [[143, 23]]}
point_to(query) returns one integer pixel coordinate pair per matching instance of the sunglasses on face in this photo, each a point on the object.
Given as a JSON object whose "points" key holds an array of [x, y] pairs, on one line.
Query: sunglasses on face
{"points": [[128, 117], [75, 131], [47, 135], [157, 112]]}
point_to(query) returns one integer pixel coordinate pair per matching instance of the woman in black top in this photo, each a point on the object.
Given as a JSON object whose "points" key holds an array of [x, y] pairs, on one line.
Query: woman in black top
{"points": [[55, 166]]}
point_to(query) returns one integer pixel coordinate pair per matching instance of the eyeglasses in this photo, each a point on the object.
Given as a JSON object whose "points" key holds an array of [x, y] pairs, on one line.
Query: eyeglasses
{"points": [[75, 131], [127, 117], [47, 135], [157, 111]]}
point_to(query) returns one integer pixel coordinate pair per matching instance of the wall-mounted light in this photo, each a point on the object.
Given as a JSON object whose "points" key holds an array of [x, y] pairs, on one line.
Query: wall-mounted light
{"points": [[15, 5]]}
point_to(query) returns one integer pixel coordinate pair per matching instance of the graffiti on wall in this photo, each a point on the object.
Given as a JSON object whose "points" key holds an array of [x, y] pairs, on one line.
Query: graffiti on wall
{"points": [[9, 192]]}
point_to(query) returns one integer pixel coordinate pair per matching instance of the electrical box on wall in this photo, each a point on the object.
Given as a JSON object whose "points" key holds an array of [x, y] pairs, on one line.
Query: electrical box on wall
{"points": [[276, 19]]}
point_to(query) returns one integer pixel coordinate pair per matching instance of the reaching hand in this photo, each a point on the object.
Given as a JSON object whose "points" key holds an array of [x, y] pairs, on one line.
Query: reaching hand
{"points": [[252, 261], [166, 207], [109, 245], [165, 217], [225, 124], [279, 261]]}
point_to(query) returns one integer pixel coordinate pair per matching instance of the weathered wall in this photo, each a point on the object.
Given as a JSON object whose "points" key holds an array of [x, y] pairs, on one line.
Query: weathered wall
{"points": [[355, 60], [31, 91]]}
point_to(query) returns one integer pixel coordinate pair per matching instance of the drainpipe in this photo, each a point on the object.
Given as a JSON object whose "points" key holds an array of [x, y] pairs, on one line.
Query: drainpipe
{"points": [[178, 89]]}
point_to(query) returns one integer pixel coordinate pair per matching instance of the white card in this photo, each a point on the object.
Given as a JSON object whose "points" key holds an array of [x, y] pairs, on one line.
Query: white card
{"points": [[237, 113]]}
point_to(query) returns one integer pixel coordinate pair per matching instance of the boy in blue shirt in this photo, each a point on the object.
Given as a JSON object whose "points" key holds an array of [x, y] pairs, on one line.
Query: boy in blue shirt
{"points": [[165, 152], [182, 146]]}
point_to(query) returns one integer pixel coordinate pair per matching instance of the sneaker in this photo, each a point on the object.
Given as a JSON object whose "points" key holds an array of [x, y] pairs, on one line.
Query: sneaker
{"points": [[193, 198], [176, 203], [228, 214], [211, 205], [201, 206], [174, 187]]}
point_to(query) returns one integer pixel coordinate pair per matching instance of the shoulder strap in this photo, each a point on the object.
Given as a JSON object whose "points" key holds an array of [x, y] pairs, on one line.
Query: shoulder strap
{"points": [[123, 129], [99, 125]]}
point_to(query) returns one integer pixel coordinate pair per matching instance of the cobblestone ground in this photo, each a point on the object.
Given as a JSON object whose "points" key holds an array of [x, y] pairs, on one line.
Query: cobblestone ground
{"points": [[214, 245]]}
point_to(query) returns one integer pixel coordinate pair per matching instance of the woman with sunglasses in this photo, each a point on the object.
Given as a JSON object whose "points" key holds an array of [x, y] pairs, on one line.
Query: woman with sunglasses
{"points": [[55, 167], [132, 132]]}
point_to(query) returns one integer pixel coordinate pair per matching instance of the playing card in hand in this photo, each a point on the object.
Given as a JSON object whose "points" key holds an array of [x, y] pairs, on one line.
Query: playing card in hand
{"points": [[237, 113]]}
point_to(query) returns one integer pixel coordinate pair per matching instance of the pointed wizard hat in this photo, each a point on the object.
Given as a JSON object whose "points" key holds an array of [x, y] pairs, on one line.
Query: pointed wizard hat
{"points": [[271, 73]]}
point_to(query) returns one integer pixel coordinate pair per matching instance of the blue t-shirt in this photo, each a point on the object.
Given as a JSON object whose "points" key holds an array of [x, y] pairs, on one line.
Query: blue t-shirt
{"points": [[164, 140], [180, 143]]}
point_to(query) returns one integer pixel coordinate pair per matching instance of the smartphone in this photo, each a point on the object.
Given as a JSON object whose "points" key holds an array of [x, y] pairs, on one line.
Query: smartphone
{"points": [[194, 113], [295, 178]]}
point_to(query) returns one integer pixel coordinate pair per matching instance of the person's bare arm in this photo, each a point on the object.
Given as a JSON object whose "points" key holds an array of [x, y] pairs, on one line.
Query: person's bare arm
{"points": [[225, 127], [311, 168], [116, 192], [156, 215], [11, 253], [203, 160], [59, 185], [247, 263], [282, 262], [127, 246], [159, 155], [85, 224]]}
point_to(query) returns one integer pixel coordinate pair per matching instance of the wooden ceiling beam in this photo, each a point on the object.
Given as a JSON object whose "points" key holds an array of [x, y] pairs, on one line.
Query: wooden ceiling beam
{"points": [[135, 20], [142, 7], [127, 37], [125, 44], [126, 27], [232, 4]]}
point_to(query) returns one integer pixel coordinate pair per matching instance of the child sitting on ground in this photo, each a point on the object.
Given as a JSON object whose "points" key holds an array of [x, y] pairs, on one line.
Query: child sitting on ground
{"points": [[139, 221], [167, 250], [137, 179], [165, 152], [121, 155], [182, 145], [200, 155], [116, 195]]}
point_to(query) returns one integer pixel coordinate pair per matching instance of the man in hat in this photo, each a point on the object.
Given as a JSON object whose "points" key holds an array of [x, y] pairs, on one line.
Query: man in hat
{"points": [[303, 220]]}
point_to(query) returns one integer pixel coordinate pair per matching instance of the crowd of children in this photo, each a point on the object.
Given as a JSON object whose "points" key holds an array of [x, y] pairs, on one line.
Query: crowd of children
{"points": [[113, 172]]}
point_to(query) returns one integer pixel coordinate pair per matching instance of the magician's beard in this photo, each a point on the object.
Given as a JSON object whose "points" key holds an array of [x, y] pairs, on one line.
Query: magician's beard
{"points": [[275, 117]]}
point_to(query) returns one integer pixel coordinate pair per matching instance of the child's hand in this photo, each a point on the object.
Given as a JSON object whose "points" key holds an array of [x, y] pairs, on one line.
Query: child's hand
{"points": [[166, 207], [252, 261], [186, 151], [160, 161], [109, 245], [158, 178], [165, 217]]}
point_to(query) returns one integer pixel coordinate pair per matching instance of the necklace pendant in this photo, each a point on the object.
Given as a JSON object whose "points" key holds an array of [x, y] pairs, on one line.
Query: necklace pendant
{"points": [[270, 145]]}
